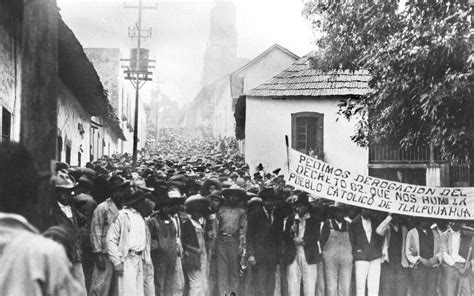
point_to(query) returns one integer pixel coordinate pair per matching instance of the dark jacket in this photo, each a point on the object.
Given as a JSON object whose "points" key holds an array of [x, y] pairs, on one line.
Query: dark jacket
{"points": [[262, 236], [192, 258], [77, 228], [163, 236], [362, 250], [310, 238]]}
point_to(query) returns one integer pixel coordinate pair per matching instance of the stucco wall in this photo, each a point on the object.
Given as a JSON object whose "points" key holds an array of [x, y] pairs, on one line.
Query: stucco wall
{"points": [[268, 121], [222, 126], [272, 64], [10, 72], [256, 73], [70, 114]]}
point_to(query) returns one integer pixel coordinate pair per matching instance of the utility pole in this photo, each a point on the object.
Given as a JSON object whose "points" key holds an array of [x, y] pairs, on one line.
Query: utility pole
{"points": [[133, 74]]}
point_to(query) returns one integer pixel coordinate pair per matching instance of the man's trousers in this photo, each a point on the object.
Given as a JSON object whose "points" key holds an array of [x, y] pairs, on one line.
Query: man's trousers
{"points": [[393, 278], [178, 278], [264, 273], [131, 283], [227, 264], [102, 280], [299, 270], [424, 280], [163, 275], [452, 281], [368, 276]]}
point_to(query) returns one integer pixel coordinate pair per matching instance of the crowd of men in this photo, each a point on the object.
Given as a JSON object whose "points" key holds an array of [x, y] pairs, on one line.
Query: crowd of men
{"points": [[194, 219]]}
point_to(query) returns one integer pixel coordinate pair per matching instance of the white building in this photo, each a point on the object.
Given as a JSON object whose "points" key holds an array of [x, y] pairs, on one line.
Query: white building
{"points": [[87, 126], [301, 103], [228, 89]]}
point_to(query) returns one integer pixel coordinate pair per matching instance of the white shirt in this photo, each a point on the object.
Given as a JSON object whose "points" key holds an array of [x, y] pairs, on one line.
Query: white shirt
{"points": [[367, 224], [455, 243], [66, 210], [137, 233], [268, 214], [302, 224]]}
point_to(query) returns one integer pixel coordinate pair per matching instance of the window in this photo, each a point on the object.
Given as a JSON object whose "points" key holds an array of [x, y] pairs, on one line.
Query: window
{"points": [[307, 129], [6, 124]]}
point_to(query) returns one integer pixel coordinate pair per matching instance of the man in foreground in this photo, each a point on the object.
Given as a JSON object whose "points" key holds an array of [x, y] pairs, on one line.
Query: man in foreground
{"points": [[31, 264]]}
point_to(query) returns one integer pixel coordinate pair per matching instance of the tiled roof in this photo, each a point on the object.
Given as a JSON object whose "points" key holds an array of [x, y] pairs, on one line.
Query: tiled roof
{"points": [[301, 79]]}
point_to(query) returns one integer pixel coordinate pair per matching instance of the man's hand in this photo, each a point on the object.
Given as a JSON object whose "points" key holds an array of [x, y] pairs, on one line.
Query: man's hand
{"points": [[252, 260], [433, 261], [101, 260], [424, 262], [210, 234], [298, 241], [119, 269]]}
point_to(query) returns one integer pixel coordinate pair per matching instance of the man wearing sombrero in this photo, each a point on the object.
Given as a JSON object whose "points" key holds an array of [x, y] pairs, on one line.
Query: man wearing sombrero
{"points": [[232, 219], [102, 218], [128, 246], [163, 246]]}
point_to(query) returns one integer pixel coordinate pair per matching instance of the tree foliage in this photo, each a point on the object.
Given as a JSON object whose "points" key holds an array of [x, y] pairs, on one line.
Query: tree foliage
{"points": [[420, 65]]}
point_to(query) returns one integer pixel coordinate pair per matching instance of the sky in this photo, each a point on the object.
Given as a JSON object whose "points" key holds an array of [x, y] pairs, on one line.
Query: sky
{"points": [[180, 31]]}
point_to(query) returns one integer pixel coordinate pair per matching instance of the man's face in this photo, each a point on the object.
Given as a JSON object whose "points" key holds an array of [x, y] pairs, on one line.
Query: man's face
{"points": [[365, 213], [63, 195], [456, 225], [117, 196], [165, 210], [301, 209], [268, 205], [212, 188], [339, 215], [215, 203]]}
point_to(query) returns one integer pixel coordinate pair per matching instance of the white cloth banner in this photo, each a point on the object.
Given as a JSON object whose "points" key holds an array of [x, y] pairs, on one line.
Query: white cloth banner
{"points": [[323, 180]]}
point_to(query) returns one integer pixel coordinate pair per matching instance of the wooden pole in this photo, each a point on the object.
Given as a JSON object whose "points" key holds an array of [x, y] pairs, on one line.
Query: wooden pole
{"points": [[38, 127], [287, 142]]}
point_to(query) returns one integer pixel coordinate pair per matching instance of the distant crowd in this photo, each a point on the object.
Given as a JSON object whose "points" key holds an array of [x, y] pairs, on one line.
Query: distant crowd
{"points": [[194, 219]]}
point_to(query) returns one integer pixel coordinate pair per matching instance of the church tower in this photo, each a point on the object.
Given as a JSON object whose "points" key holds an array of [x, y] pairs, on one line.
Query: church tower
{"points": [[220, 57]]}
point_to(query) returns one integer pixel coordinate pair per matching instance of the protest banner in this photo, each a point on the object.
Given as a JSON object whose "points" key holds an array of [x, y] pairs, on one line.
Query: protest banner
{"points": [[324, 180]]}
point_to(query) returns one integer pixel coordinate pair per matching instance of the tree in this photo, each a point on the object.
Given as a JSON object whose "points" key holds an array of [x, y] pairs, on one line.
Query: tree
{"points": [[419, 58]]}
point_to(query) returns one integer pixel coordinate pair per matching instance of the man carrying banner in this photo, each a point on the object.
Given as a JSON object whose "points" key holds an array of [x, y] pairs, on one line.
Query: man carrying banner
{"points": [[301, 238]]}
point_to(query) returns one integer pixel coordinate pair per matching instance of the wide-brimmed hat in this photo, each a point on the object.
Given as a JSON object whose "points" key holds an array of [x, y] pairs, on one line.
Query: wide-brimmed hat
{"points": [[62, 181], [180, 185], [236, 191], [254, 200], [176, 198], [130, 199], [302, 198], [227, 184], [337, 206], [83, 180], [163, 201], [207, 184], [140, 183], [197, 202], [116, 183], [267, 194]]}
